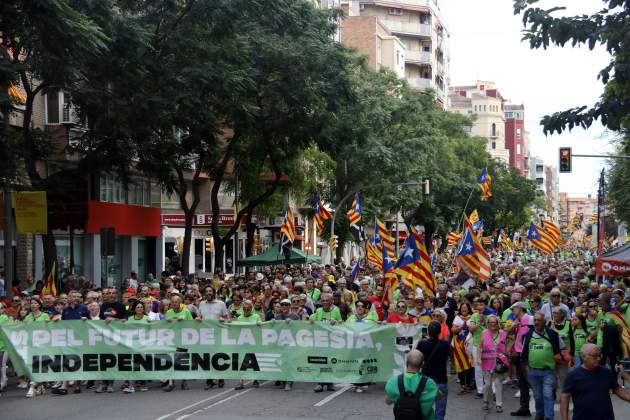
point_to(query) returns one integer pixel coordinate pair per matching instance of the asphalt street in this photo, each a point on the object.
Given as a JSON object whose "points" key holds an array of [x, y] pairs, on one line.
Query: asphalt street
{"points": [[266, 402]]}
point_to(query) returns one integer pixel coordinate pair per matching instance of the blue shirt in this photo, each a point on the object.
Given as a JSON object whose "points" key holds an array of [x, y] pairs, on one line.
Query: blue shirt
{"points": [[78, 312], [590, 391]]}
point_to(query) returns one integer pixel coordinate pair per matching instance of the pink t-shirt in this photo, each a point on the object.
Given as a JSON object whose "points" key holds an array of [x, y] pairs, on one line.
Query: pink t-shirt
{"points": [[521, 330]]}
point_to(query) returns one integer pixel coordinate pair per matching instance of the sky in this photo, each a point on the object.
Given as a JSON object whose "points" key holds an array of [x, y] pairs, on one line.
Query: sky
{"points": [[486, 45]]}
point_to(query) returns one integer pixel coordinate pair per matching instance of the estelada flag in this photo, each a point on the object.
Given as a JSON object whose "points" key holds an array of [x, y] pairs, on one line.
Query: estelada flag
{"points": [[50, 287]]}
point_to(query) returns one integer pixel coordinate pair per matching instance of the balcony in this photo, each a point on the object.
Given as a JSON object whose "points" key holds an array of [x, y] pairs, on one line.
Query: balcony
{"points": [[423, 57], [419, 83], [407, 28]]}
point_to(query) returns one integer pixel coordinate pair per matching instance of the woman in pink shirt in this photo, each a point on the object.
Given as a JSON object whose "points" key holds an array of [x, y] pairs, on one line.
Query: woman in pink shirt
{"points": [[492, 347]]}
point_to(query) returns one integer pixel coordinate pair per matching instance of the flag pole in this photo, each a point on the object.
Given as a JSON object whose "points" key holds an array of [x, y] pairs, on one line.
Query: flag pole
{"points": [[460, 224]]}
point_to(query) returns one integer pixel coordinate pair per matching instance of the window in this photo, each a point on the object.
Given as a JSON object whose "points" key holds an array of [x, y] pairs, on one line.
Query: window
{"points": [[52, 107], [494, 130], [425, 19], [539, 168], [494, 145], [518, 149], [485, 108], [156, 194], [394, 11], [397, 57], [475, 108], [426, 46], [540, 181]]}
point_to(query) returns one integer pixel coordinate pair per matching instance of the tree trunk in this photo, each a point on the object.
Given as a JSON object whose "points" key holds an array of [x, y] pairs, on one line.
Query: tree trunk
{"points": [[189, 214], [188, 225], [250, 228], [218, 253]]}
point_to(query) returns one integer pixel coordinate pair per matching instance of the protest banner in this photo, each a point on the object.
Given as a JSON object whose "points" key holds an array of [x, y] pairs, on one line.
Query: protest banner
{"points": [[276, 350]]}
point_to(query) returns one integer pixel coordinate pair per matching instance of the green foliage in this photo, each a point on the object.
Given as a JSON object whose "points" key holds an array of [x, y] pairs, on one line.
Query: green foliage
{"points": [[618, 182], [609, 27]]}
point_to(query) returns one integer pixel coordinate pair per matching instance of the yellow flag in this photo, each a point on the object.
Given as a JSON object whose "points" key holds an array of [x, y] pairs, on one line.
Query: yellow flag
{"points": [[474, 217]]}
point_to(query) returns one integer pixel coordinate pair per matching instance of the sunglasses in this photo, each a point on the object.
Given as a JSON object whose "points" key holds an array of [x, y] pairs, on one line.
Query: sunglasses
{"points": [[401, 306], [285, 304]]}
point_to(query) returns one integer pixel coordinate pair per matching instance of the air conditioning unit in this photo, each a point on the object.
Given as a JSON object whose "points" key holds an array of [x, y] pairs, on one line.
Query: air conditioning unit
{"points": [[68, 114], [394, 11]]}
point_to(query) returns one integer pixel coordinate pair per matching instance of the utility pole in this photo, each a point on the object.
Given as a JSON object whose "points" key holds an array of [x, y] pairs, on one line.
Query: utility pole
{"points": [[9, 268]]}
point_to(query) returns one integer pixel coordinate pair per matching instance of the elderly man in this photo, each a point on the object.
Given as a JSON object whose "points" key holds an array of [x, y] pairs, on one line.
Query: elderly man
{"points": [[554, 302], [589, 386]]}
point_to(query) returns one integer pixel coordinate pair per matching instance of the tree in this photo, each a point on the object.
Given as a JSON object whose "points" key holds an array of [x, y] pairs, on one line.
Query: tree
{"points": [[609, 27], [297, 76], [43, 45], [618, 182]]}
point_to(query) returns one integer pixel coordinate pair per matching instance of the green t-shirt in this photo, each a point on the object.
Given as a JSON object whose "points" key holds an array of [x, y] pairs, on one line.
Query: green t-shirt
{"points": [[353, 318], [253, 318], [4, 319], [42, 317], [321, 315], [183, 314], [258, 312], [563, 333], [314, 295], [580, 337], [411, 382], [133, 320], [541, 354], [480, 329], [238, 310]]}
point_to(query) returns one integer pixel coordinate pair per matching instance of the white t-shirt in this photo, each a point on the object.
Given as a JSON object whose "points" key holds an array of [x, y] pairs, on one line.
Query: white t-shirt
{"points": [[213, 310]]}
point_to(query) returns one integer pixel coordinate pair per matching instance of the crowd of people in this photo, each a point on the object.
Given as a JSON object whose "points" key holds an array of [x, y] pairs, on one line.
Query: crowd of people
{"points": [[529, 328]]}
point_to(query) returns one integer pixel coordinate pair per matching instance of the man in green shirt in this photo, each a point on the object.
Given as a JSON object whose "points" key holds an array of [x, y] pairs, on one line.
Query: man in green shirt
{"points": [[178, 311], [248, 317], [411, 380], [327, 313]]}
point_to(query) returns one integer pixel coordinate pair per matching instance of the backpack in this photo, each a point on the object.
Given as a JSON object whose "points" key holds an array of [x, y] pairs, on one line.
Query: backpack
{"points": [[408, 405]]}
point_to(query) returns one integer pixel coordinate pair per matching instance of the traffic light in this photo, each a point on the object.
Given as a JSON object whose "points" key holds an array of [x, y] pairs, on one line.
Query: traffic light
{"points": [[565, 159], [209, 245], [333, 242]]}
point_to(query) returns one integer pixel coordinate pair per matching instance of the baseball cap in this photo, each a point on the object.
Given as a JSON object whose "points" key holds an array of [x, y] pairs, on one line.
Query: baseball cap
{"points": [[519, 305], [285, 301], [259, 276]]}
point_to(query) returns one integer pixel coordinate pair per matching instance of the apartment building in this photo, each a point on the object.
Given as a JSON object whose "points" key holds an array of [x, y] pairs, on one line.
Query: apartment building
{"points": [[552, 192], [485, 105], [420, 27], [369, 36], [581, 207], [515, 136]]}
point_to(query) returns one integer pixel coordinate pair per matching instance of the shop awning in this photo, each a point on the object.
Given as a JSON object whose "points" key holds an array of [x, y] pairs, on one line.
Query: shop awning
{"points": [[615, 262], [273, 256]]}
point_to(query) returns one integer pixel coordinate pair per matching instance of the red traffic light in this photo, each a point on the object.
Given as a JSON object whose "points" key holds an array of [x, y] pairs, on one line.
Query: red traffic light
{"points": [[565, 159]]}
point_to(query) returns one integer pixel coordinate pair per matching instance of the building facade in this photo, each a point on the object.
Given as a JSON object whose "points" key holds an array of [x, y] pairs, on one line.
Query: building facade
{"points": [[552, 192], [515, 136], [484, 104], [421, 28], [369, 36], [581, 208]]}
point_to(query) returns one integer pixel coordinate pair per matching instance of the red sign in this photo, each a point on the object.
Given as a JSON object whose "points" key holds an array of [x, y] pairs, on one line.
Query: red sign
{"points": [[125, 219], [610, 267]]}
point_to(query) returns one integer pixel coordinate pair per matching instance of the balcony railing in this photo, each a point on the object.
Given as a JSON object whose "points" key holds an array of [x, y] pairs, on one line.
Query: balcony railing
{"points": [[418, 56], [396, 26], [419, 83]]}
